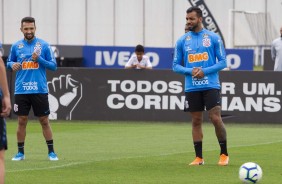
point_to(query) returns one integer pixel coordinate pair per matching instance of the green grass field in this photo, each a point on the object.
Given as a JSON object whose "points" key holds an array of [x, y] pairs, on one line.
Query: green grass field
{"points": [[141, 153]]}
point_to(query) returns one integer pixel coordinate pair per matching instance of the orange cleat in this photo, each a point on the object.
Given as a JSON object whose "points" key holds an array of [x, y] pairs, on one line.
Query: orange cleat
{"points": [[223, 160], [197, 161]]}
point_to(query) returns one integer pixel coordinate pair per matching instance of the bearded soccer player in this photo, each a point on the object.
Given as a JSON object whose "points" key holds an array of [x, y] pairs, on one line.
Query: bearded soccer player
{"points": [[29, 58], [204, 56]]}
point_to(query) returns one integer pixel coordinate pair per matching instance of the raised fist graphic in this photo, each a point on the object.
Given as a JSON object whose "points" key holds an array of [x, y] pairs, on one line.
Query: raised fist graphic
{"points": [[64, 95]]}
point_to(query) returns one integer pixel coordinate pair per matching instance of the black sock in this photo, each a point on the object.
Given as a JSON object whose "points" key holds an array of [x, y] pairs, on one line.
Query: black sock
{"points": [[50, 146], [223, 147], [198, 149], [21, 147]]}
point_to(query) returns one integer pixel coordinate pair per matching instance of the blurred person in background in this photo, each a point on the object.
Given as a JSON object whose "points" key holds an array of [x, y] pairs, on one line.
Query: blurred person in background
{"points": [[186, 29], [276, 52], [139, 60]]}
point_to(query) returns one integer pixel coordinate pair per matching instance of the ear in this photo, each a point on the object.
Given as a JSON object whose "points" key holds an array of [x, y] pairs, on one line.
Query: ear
{"points": [[201, 19]]}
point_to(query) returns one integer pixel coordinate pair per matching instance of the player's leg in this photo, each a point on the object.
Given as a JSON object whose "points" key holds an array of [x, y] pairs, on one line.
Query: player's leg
{"points": [[21, 108], [40, 107], [194, 104], [46, 128], [197, 135], [2, 166], [21, 132], [3, 147], [214, 109]]}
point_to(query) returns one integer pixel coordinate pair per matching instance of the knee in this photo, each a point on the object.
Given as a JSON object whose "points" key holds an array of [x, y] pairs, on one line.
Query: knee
{"points": [[214, 118], [22, 120], [44, 121], [197, 122]]}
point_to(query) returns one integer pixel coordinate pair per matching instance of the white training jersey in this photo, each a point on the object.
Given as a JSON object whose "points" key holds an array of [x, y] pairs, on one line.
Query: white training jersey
{"points": [[276, 53], [144, 62]]}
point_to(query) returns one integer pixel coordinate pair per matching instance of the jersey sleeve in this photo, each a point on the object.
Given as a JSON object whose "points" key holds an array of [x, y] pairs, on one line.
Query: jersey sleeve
{"points": [[220, 56], [12, 57], [129, 62], [49, 62], [178, 60], [148, 63]]}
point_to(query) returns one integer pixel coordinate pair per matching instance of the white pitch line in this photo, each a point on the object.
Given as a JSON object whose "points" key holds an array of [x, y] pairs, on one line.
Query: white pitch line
{"points": [[119, 158]]}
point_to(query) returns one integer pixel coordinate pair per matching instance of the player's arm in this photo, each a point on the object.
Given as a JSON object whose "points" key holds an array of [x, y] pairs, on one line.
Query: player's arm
{"points": [[129, 63], [220, 55], [50, 62], [177, 60], [273, 51], [148, 64], [12, 63], [6, 103]]}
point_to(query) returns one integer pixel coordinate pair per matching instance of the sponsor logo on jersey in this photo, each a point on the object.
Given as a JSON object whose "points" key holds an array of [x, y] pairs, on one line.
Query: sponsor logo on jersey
{"points": [[188, 38], [38, 44], [189, 50], [29, 65], [30, 86], [205, 35], [20, 46], [200, 82], [198, 57]]}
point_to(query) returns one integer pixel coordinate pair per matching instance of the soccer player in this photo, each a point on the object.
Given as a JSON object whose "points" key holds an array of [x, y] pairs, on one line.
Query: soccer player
{"points": [[276, 52], [5, 108], [186, 29], [30, 57], [139, 60], [200, 50]]}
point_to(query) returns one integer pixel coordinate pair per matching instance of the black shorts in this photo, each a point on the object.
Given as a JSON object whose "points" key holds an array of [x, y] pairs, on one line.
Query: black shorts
{"points": [[3, 135], [38, 102], [202, 100]]}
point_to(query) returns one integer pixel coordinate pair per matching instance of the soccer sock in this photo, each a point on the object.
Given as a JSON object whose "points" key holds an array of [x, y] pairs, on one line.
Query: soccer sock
{"points": [[198, 149], [50, 146], [223, 147], [21, 147]]}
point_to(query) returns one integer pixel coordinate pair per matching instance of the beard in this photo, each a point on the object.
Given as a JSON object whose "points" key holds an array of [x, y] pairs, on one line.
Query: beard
{"points": [[194, 27], [29, 36]]}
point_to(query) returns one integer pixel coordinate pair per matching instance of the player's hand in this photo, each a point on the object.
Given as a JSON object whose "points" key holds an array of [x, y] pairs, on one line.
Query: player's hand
{"points": [[34, 57], [16, 66], [6, 106], [195, 71], [142, 67], [199, 74]]}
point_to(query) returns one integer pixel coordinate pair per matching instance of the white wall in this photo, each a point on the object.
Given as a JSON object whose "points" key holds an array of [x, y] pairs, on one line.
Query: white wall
{"points": [[158, 23], [45, 14], [14, 11], [179, 20], [154, 23], [275, 7], [72, 22], [129, 21], [100, 22]]}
